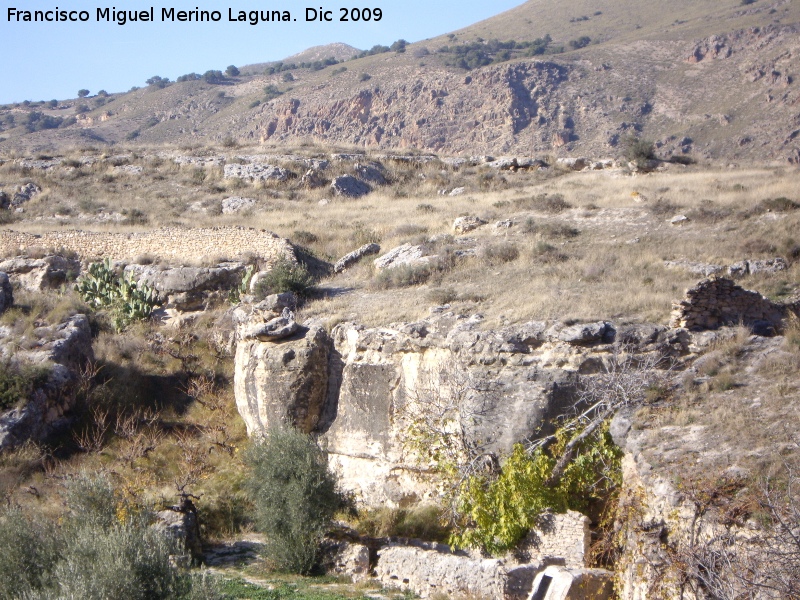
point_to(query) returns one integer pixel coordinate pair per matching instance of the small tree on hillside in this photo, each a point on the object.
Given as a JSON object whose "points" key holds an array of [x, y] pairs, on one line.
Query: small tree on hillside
{"points": [[83, 93], [231, 71]]}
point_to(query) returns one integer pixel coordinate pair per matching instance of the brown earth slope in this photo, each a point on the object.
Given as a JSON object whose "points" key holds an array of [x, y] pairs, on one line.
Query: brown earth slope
{"points": [[708, 79]]}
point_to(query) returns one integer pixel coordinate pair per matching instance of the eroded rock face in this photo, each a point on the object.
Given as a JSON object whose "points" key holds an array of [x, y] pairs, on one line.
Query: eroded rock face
{"points": [[63, 348], [359, 387], [350, 187], [36, 274], [283, 381]]}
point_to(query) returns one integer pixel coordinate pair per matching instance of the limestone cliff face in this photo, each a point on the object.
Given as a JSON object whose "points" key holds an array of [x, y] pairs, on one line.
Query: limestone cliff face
{"points": [[360, 388]]}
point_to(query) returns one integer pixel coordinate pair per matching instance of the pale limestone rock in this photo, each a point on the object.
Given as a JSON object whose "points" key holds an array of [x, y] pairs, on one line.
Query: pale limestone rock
{"points": [[466, 224], [354, 256]]}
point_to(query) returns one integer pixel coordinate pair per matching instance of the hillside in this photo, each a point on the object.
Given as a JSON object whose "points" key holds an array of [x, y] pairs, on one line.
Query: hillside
{"points": [[706, 79]]}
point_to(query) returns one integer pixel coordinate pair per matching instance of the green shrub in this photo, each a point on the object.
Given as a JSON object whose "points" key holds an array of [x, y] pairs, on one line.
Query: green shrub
{"points": [[295, 497], [29, 550], [18, 382], [781, 204], [499, 512], [286, 276], [104, 548], [402, 276], [638, 150]]}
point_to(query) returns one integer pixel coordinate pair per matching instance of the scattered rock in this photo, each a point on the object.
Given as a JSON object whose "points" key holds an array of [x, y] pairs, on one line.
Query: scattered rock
{"points": [[235, 204], [702, 269], [354, 256], [128, 170], [466, 224], [588, 333], [751, 267], [6, 293], [679, 220], [505, 164], [504, 224], [25, 193], [324, 202], [349, 186], [573, 164], [256, 172], [404, 255], [370, 172], [312, 179]]}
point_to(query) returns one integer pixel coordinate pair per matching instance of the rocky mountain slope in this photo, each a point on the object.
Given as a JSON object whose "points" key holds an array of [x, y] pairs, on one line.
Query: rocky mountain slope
{"points": [[708, 79]]}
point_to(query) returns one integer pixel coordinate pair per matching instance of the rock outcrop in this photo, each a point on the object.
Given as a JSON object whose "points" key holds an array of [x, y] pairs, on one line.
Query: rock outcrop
{"points": [[6, 293], [353, 257], [358, 387], [61, 350], [281, 379], [37, 274], [188, 288]]}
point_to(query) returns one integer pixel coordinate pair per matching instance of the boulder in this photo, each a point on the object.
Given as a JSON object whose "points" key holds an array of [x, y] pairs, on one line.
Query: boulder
{"points": [[505, 164], [372, 172], [6, 293], [25, 193], [283, 382], [273, 330], [468, 223], [354, 256], [256, 172], [457, 191], [405, 255], [36, 274], [573, 164], [181, 524], [235, 204], [588, 333], [350, 187], [188, 288], [312, 179]]}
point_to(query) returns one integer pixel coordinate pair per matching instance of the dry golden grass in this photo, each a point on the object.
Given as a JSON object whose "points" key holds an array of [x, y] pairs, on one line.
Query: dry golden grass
{"points": [[593, 249]]}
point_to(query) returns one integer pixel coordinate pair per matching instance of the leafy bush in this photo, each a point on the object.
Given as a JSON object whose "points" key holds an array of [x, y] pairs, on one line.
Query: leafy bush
{"points": [[500, 512], [127, 300], [270, 92], [481, 53], [286, 276], [232, 71], [295, 497], [29, 550], [781, 204]]}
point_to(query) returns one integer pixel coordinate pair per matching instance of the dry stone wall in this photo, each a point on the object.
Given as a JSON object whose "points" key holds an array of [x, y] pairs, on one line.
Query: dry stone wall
{"points": [[717, 301], [171, 243]]}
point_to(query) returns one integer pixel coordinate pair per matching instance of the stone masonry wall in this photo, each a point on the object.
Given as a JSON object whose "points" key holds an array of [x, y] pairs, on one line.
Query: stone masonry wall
{"points": [[718, 301], [565, 536], [188, 245]]}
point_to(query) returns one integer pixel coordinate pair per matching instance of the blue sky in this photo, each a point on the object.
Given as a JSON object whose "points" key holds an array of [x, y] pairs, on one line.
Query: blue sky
{"points": [[54, 60]]}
